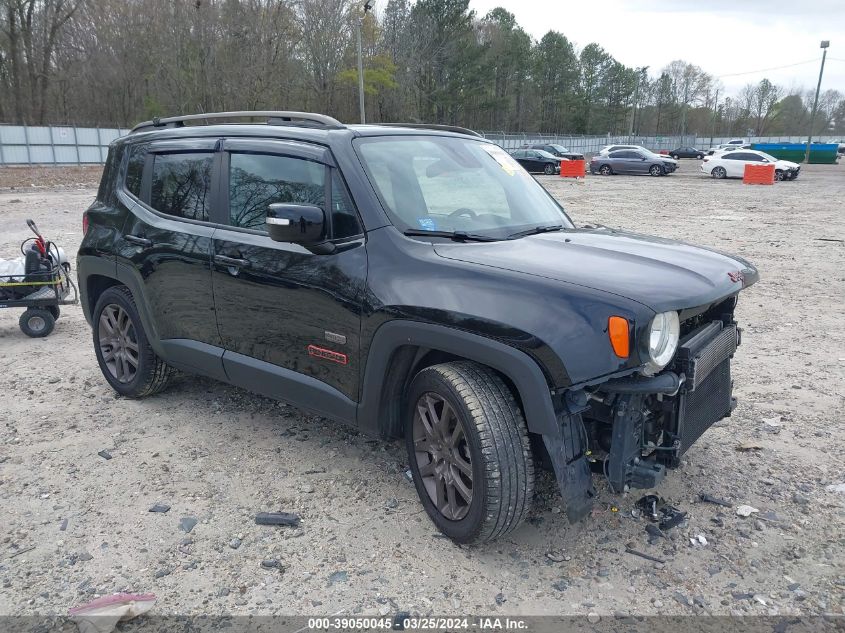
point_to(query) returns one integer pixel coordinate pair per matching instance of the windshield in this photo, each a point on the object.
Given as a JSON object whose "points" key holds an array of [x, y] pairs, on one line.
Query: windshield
{"points": [[559, 148], [544, 154], [441, 183], [768, 156]]}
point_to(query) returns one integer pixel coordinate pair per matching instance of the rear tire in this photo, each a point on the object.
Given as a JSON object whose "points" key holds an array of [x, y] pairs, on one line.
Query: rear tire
{"points": [[675, 156], [549, 169], [719, 172], [123, 351], [55, 311], [489, 457], [37, 322]]}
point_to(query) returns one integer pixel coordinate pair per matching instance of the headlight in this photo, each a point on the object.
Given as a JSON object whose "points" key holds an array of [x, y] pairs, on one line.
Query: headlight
{"points": [[662, 341]]}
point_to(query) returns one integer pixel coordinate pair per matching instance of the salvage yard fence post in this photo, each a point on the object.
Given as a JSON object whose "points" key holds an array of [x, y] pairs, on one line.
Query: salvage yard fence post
{"points": [[55, 144]]}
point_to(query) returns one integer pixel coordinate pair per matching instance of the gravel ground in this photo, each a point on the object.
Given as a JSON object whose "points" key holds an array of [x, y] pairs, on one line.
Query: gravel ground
{"points": [[75, 525]]}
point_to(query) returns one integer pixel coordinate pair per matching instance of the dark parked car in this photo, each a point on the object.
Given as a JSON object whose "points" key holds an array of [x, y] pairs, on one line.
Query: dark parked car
{"points": [[632, 161], [414, 283], [535, 160], [556, 150], [687, 152]]}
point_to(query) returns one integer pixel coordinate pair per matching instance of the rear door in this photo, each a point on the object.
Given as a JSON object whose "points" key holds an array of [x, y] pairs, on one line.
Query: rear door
{"points": [[285, 312], [167, 236], [734, 163]]}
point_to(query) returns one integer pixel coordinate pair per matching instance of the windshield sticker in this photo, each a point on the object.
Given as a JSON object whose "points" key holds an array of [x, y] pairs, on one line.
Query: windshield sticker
{"points": [[505, 160], [427, 224]]}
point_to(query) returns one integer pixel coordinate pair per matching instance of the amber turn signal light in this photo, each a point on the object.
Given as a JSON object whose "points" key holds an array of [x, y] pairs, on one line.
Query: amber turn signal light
{"points": [[617, 330]]}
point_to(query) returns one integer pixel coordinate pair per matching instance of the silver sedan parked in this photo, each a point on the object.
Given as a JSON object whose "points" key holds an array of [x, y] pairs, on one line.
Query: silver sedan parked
{"points": [[632, 161]]}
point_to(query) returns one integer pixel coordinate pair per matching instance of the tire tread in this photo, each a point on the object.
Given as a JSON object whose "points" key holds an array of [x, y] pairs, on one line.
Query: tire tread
{"points": [[508, 463]]}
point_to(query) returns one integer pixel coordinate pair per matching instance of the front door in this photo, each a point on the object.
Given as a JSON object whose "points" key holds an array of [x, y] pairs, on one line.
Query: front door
{"points": [[283, 311]]}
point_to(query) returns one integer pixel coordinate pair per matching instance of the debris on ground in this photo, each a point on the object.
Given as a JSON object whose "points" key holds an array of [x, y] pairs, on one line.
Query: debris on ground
{"points": [[277, 518], [835, 487], [749, 446], [103, 614], [711, 499], [746, 511], [159, 507], [187, 523], [104, 454], [631, 550], [660, 512]]}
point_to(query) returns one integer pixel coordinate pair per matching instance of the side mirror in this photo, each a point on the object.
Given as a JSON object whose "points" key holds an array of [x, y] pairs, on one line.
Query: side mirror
{"points": [[297, 223]]}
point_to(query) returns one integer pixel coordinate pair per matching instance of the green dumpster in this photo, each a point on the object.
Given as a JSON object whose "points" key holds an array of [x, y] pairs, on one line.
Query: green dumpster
{"points": [[820, 153]]}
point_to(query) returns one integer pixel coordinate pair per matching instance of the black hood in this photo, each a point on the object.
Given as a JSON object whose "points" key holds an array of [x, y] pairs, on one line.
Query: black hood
{"points": [[659, 273]]}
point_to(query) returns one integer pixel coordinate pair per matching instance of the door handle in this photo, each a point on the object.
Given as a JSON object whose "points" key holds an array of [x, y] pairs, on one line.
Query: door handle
{"points": [[231, 261], [140, 241]]}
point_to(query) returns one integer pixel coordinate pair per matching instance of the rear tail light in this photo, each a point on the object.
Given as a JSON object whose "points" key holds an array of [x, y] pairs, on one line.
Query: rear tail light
{"points": [[84, 223]]}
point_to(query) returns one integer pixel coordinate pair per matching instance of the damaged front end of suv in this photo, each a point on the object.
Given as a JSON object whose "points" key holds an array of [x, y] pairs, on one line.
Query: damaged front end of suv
{"points": [[631, 429]]}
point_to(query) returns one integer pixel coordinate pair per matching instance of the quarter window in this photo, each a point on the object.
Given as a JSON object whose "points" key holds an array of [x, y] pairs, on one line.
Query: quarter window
{"points": [[181, 185], [135, 169]]}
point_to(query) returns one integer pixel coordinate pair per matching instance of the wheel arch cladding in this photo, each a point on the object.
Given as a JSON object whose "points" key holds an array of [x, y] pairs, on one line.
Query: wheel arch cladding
{"points": [[401, 348]]}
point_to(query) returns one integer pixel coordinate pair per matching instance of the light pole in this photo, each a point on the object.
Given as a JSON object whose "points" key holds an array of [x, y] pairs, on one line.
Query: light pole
{"points": [[824, 45], [640, 73], [715, 114], [367, 6]]}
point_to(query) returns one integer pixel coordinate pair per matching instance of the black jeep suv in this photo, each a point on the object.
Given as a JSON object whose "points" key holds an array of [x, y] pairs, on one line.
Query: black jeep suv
{"points": [[413, 282]]}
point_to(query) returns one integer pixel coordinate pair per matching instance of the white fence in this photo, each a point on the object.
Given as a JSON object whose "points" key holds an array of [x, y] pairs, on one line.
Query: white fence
{"points": [[68, 145], [55, 145]]}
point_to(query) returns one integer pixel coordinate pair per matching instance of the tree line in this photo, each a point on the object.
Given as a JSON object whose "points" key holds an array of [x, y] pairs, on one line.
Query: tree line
{"points": [[116, 62]]}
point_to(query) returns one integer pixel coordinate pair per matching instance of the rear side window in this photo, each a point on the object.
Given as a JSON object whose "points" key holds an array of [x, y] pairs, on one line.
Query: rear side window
{"points": [[105, 191], [181, 185], [135, 169]]}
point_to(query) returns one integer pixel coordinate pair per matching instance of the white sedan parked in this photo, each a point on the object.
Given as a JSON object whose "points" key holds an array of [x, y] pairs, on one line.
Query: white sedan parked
{"points": [[732, 164]]}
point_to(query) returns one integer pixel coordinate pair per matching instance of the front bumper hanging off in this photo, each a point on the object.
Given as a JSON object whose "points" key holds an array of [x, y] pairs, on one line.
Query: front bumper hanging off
{"points": [[701, 371]]}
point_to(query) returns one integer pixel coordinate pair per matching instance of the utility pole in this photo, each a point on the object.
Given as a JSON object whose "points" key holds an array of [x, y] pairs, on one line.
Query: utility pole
{"points": [[367, 6], [715, 114], [824, 45]]}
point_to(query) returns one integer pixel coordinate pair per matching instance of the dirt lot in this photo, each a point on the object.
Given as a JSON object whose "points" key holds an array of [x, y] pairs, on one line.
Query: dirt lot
{"points": [[74, 525]]}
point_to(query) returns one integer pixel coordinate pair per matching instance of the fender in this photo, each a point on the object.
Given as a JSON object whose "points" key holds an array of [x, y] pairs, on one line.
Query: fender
{"points": [[87, 265], [521, 369]]}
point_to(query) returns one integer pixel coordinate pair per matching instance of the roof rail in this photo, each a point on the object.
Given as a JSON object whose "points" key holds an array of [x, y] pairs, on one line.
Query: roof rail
{"points": [[274, 117], [435, 126]]}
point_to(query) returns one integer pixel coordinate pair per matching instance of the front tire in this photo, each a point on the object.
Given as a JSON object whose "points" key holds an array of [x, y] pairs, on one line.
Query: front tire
{"points": [[700, 157], [779, 175], [123, 351], [37, 322], [675, 156], [469, 452], [656, 170], [605, 170]]}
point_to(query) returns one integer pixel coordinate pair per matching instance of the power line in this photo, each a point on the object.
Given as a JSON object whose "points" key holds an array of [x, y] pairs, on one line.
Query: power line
{"points": [[763, 70]]}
